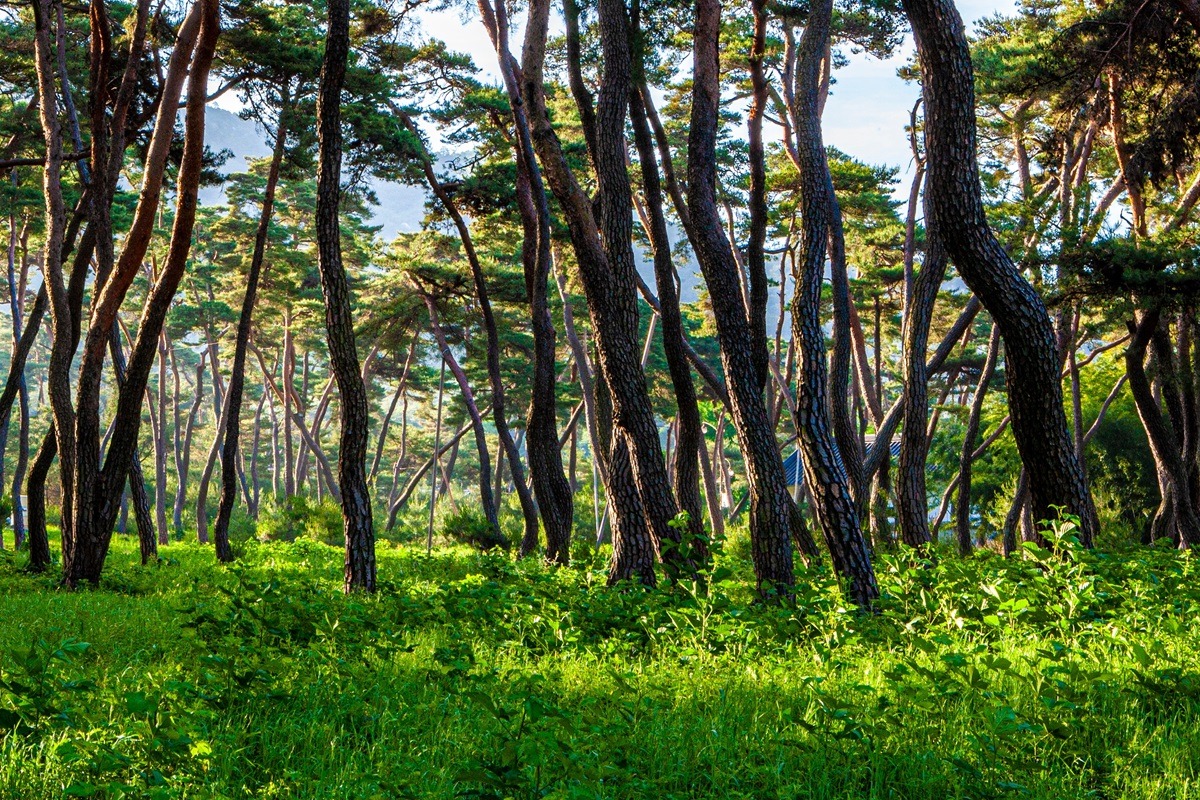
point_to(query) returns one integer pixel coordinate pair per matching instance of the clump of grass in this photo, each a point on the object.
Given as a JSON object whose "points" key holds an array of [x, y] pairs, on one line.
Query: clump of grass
{"points": [[473, 675]]}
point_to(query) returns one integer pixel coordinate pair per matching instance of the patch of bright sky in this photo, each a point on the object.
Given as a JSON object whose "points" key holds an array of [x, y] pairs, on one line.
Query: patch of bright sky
{"points": [[865, 115]]}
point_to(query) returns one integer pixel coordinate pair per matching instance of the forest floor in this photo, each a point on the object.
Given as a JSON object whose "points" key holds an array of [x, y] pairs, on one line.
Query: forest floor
{"points": [[471, 675]]}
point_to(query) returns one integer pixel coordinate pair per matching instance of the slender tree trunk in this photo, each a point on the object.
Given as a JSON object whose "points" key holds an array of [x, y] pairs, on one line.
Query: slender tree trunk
{"points": [[499, 406], [339, 314], [608, 272], [255, 438], [963, 508], [1164, 444], [147, 538], [485, 462], [184, 458], [15, 300], [159, 427], [774, 519], [401, 388], [911, 496], [289, 379], [237, 376], [756, 263], [554, 499], [685, 467]]}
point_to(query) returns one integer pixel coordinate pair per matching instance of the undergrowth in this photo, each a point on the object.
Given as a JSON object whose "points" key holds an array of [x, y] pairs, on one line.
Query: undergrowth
{"points": [[474, 675]]}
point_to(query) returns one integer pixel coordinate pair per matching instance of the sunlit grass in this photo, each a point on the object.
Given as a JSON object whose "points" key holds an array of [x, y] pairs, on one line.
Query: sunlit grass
{"points": [[470, 675]]}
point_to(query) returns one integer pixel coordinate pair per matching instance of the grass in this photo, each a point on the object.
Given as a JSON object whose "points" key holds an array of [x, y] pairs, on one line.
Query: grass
{"points": [[473, 676]]}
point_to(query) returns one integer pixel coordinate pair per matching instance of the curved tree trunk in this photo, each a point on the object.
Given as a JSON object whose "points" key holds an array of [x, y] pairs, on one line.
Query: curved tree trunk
{"points": [[685, 467], [554, 500], [339, 315], [94, 490], [954, 210], [496, 379], [1164, 444], [774, 518], [144, 349], [608, 273], [485, 461], [834, 504]]}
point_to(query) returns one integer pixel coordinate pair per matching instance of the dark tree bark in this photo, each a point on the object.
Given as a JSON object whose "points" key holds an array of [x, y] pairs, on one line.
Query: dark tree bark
{"points": [[963, 508], [237, 375], [16, 304], [92, 539], [912, 510], [685, 467], [954, 211], [1164, 441], [756, 263], [826, 475], [339, 315], [62, 350], [147, 538], [554, 499], [774, 518], [93, 490], [608, 273]]}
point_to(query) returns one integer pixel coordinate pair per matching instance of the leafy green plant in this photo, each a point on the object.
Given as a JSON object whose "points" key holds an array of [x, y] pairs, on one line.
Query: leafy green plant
{"points": [[470, 527], [298, 516]]}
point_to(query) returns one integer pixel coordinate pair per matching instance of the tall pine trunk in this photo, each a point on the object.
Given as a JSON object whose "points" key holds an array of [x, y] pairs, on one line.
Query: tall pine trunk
{"points": [[339, 314], [774, 518], [237, 375], [825, 472]]}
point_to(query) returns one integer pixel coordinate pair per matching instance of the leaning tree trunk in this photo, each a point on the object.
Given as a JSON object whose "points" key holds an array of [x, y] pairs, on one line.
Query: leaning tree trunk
{"points": [[94, 490], [339, 314], [237, 376], [962, 513], [685, 467], [486, 497], [608, 272], [92, 544], [774, 518], [147, 538], [496, 379], [826, 475], [955, 212], [554, 499]]}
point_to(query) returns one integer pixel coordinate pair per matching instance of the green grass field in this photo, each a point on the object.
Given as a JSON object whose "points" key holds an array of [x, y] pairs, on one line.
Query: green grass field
{"points": [[474, 676]]}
